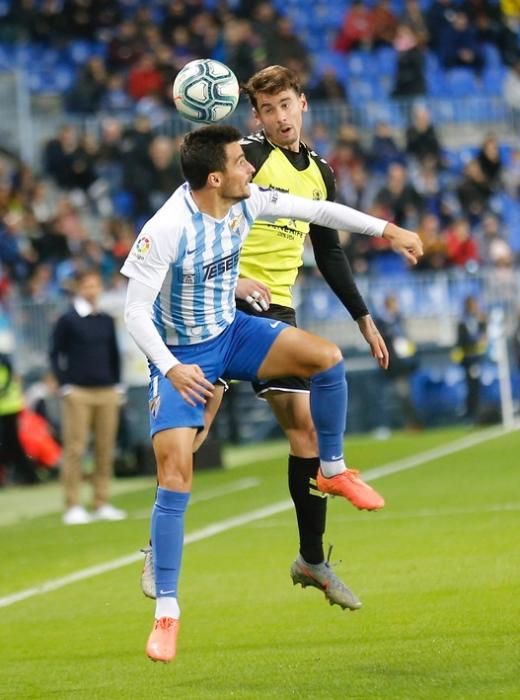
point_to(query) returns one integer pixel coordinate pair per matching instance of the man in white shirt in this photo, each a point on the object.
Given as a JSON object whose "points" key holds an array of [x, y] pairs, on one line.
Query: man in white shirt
{"points": [[181, 312]]}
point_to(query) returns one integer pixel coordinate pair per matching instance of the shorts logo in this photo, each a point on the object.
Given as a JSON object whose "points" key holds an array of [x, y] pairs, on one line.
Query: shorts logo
{"points": [[142, 247], [274, 324], [154, 405]]}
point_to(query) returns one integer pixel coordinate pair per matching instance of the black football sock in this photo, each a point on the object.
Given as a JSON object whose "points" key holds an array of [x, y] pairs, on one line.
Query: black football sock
{"points": [[311, 507]]}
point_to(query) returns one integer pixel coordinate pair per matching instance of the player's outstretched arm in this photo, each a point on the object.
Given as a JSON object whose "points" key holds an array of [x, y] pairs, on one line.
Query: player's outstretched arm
{"points": [[333, 215]]}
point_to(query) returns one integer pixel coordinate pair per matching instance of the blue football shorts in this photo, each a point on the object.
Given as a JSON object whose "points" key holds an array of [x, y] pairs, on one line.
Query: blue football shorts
{"points": [[237, 353]]}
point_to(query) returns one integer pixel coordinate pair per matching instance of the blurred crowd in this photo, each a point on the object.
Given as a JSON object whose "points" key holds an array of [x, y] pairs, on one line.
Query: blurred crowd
{"points": [[96, 187]]}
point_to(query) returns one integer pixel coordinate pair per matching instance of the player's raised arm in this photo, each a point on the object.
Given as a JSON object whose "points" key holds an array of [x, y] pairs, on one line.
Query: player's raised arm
{"points": [[271, 203]]}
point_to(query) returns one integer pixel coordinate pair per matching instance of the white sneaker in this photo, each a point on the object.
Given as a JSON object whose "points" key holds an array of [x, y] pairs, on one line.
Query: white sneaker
{"points": [[77, 515], [108, 512]]}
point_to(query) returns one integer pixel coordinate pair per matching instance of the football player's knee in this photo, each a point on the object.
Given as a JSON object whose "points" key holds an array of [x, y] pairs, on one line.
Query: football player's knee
{"points": [[331, 355]]}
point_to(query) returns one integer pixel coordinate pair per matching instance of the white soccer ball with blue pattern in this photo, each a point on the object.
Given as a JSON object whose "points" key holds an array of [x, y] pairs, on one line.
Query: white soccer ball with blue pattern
{"points": [[206, 91]]}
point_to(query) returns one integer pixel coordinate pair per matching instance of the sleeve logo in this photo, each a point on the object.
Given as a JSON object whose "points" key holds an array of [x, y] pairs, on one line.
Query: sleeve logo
{"points": [[142, 247]]}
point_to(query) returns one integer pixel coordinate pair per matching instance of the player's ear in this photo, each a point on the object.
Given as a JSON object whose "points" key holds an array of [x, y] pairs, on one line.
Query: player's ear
{"points": [[214, 179], [256, 116], [303, 102]]}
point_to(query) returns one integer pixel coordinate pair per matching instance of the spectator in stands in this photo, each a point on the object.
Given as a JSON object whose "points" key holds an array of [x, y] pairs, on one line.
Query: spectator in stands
{"points": [[460, 47], [461, 247], [240, 48], [328, 87], [403, 359], [125, 47], [494, 249], [85, 361], [59, 154], [264, 18], [490, 160], [438, 21], [153, 180], [485, 16], [384, 24], [115, 99], [144, 78], [413, 18], [422, 141], [399, 198], [384, 150], [284, 46], [409, 79], [512, 174], [356, 188], [177, 15], [434, 244], [473, 190], [357, 29], [16, 251], [88, 89], [471, 348]]}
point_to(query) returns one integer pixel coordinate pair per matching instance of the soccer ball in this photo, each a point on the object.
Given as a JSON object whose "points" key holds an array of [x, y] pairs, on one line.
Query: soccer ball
{"points": [[206, 91]]}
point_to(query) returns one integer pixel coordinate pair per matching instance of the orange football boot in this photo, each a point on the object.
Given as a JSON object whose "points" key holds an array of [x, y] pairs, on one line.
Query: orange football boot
{"points": [[351, 487], [162, 642]]}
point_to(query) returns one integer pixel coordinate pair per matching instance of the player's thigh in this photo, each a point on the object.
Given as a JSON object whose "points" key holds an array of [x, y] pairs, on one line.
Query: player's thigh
{"points": [[297, 352], [210, 411], [292, 411], [173, 450]]}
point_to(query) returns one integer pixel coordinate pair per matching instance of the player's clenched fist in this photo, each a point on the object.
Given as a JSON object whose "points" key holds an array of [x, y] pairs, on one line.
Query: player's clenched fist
{"points": [[190, 382]]}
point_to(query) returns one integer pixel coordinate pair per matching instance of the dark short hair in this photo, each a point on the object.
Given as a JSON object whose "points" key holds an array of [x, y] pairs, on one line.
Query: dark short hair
{"points": [[272, 80], [82, 275], [203, 152]]}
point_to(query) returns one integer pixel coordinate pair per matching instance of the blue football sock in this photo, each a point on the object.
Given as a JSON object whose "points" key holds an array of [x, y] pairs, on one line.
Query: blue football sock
{"points": [[167, 539], [329, 410]]}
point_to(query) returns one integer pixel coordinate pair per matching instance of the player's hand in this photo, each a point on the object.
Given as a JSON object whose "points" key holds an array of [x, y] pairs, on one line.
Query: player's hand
{"points": [[190, 382], [374, 338], [405, 242], [254, 293]]}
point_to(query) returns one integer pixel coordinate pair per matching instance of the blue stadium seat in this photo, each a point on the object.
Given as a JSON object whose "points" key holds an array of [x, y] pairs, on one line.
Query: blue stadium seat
{"points": [[492, 56], [361, 64], [461, 82], [493, 81]]}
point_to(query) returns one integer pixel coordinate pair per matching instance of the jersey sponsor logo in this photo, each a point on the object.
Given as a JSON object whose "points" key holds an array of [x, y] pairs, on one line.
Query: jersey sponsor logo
{"points": [[143, 245], [219, 267]]}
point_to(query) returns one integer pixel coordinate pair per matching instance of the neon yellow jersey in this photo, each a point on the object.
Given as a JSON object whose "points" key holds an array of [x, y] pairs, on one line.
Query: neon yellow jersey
{"points": [[272, 252]]}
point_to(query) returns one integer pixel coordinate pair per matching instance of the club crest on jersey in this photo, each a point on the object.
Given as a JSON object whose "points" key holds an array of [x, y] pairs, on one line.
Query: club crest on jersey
{"points": [[143, 245], [235, 222], [316, 195]]}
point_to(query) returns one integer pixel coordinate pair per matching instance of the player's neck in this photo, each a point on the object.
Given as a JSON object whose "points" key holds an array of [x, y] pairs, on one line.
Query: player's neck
{"points": [[210, 203]]}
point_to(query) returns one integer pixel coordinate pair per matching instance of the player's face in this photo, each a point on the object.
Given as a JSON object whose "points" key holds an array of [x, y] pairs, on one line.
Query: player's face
{"points": [[281, 116], [237, 175]]}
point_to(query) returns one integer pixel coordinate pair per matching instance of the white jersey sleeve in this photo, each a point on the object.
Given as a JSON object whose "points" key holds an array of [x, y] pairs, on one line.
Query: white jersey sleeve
{"points": [[154, 250], [272, 204]]}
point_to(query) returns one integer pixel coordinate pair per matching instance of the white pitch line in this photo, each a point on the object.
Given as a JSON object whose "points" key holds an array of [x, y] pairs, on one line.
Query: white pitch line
{"points": [[202, 534], [267, 511]]}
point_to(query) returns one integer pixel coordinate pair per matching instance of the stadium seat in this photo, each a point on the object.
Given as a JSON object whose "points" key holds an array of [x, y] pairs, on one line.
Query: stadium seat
{"points": [[461, 82], [493, 80], [492, 56]]}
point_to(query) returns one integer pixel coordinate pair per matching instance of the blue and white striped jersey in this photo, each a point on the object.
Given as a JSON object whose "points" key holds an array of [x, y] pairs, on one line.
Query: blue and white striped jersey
{"points": [[192, 259]]}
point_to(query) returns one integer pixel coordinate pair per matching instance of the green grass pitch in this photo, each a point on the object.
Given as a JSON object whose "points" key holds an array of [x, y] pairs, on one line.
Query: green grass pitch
{"points": [[438, 571]]}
